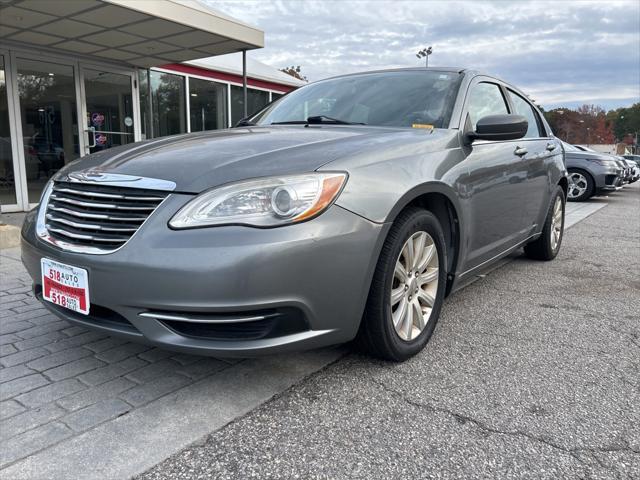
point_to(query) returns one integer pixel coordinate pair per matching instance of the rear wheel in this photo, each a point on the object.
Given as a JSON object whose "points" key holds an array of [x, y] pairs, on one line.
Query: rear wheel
{"points": [[547, 246], [581, 185], [408, 288]]}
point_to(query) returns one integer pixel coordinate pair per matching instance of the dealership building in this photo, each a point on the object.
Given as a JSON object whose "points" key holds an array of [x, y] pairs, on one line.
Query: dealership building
{"points": [[77, 77]]}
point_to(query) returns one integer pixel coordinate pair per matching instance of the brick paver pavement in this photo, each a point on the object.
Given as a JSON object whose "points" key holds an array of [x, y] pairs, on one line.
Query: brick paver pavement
{"points": [[58, 380]]}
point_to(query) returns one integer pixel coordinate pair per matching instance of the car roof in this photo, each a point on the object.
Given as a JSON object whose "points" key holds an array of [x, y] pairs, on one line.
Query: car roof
{"points": [[410, 69], [460, 70]]}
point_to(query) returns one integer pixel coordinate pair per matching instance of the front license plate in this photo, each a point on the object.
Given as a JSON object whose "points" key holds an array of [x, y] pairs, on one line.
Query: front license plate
{"points": [[65, 285]]}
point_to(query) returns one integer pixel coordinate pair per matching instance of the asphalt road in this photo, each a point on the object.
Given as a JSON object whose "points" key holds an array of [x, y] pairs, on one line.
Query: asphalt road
{"points": [[533, 372]]}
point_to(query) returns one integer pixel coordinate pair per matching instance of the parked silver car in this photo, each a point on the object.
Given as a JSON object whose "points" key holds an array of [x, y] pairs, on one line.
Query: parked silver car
{"points": [[350, 207], [633, 158], [634, 169]]}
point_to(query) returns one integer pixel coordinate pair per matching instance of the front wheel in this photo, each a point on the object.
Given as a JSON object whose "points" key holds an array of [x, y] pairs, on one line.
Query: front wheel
{"points": [[547, 246], [407, 290], [581, 186]]}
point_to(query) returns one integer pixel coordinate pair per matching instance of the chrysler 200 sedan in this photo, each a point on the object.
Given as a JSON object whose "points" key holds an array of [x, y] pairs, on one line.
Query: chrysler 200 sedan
{"points": [[347, 209]]}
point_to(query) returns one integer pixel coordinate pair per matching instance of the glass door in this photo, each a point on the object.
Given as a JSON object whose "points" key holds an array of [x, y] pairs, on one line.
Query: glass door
{"points": [[109, 104], [7, 173], [49, 126]]}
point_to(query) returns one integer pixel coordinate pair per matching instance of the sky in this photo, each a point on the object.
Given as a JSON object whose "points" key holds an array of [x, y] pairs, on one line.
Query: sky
{"points": [[561, 53]]}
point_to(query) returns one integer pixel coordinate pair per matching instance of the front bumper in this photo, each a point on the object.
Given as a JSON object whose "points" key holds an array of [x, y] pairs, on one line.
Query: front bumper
{"points": [[613, 183], [226, 291], [609, 179]]}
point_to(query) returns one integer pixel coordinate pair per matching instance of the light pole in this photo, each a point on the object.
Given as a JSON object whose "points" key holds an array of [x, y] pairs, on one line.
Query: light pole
{"points": [[425, 52]]}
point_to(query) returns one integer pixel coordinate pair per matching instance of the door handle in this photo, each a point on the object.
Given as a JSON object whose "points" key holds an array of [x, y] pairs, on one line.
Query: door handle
{"points": [[551, 147], [91, 136], [520, 151]]}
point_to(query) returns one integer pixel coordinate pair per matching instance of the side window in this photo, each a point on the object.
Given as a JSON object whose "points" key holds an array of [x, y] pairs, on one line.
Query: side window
{"points": [[522, 107], [485, 99]]}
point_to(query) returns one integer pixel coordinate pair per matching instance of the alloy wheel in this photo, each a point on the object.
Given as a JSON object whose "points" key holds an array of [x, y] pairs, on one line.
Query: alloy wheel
{"points": [[556, 224], [415, 285], [577, 185]]}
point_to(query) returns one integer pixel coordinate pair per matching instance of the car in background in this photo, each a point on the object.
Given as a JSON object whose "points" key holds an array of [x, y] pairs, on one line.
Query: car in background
{"points": [[634, 169], [629, 174], [591, 173], [633, 158]]}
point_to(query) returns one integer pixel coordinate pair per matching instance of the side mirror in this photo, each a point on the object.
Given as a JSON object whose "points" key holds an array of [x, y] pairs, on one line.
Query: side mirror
{"points": [[499, 127]]}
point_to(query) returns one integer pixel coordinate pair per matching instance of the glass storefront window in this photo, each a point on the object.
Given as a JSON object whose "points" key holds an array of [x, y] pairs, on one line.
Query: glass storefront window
{"points": [[49, 120], [207, 105], [7, 179], [256, 99], [168, 103], [275, 96]]}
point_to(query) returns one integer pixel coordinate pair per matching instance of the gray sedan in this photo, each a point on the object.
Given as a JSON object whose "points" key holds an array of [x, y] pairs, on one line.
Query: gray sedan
{"points": [[347, 209], [591, 173]]}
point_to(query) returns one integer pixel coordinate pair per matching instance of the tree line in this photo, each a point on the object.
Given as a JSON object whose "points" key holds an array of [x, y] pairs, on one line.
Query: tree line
{"points": [[591, 124]]}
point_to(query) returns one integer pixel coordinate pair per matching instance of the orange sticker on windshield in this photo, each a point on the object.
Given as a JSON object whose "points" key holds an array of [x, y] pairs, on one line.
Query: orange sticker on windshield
{"points": [[422, 125]]}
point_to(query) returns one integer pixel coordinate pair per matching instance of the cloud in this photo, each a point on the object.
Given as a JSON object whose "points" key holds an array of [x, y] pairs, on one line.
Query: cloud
{"points": [[581, 51]]}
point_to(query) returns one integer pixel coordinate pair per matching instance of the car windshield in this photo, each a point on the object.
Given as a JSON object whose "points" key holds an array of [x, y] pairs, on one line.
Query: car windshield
{"points": [[395, 99]]}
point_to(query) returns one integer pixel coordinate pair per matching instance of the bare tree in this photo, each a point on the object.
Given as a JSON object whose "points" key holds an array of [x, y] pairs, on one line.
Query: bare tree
{"points": [[294, 72]]}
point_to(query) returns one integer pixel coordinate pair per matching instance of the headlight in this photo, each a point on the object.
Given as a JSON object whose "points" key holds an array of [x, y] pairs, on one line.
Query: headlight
{"points": [[267, 202], [605, 163]]}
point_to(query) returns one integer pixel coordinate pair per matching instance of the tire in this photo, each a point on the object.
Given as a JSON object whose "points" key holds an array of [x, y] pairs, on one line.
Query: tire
{"points": [[581, 185], [378, 335], [547, 246]]}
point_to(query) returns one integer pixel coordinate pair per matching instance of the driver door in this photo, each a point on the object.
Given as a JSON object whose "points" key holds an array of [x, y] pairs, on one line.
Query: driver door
{"points": [[494, 187]]}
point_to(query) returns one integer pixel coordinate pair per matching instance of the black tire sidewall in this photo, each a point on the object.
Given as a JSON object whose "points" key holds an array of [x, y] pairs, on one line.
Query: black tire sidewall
{"points": [[548, 225], [418, 220]]}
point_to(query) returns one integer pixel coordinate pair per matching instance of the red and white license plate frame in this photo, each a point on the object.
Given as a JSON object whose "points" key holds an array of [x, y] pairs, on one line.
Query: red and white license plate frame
{"points": [[65, 285]]}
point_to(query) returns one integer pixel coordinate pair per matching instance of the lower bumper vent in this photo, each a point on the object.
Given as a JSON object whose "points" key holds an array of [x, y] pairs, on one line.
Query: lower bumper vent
{"points": [[229, 326]]}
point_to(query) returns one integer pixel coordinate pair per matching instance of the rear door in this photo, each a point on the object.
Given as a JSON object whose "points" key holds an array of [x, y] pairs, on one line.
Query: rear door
{"points": [[497, 174], [540, 150]]}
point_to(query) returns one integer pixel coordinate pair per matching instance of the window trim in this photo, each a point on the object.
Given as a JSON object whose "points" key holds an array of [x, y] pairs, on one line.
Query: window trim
{"points": [[466, 123], [542, 131]]}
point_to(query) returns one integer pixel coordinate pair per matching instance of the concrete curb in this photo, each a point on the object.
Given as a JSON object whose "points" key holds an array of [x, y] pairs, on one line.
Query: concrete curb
{"points": [[9, 236]]}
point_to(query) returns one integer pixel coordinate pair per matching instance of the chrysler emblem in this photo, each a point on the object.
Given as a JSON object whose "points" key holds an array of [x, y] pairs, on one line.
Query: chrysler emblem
{"points": [[93, 176]]}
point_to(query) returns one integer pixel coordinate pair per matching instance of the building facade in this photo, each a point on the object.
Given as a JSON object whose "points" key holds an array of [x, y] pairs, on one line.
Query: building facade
{"points": [[79, 77]]}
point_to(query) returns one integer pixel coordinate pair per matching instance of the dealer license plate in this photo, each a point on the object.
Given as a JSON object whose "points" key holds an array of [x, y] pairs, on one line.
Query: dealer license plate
{"points": [[65, 285]]}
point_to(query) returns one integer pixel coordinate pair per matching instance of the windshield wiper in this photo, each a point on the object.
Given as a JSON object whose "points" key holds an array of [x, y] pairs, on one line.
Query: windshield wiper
{"points": [[317, 120], [244, 122]]}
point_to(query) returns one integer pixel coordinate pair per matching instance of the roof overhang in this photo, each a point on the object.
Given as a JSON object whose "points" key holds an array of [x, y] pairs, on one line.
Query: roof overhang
{"points": [[141, 33]]}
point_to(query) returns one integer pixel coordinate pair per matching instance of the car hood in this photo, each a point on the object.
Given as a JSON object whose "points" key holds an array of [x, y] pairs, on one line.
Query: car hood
{"points": [[198, 161], [588, 155]]}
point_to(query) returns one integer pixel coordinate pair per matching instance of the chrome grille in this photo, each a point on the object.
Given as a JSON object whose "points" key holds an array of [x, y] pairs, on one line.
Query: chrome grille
{"points": [[97, 217]]}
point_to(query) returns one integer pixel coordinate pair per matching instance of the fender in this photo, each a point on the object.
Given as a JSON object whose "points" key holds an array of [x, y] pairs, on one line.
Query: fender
{"points": [[422, 189], [455, 221]]}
